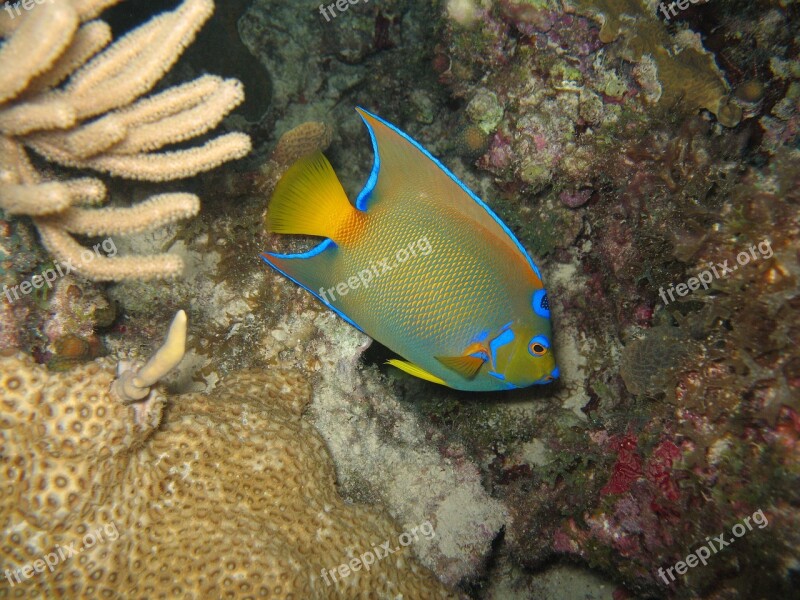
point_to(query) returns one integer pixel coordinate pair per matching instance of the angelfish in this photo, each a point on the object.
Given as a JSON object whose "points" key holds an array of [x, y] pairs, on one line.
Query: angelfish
{"points": [[420, 264]]}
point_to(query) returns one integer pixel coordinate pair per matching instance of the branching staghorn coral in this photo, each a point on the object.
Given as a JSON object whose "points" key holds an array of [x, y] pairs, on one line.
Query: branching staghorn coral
{"points": [[75, 100]]}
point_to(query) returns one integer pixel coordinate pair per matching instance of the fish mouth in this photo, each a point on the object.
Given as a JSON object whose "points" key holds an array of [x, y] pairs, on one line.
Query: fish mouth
{"points": [[554, 374]]}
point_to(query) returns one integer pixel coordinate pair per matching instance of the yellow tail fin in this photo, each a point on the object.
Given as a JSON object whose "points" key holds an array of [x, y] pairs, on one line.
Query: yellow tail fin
{"points": [[309, 200]]}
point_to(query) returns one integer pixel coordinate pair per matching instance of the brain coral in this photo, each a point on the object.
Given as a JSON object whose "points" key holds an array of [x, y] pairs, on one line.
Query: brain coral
{"points": [[230, 496]]}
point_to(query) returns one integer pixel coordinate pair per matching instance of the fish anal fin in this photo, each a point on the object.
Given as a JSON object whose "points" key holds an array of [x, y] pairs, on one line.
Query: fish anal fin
{"points": [[414, 370], [467, 366]]}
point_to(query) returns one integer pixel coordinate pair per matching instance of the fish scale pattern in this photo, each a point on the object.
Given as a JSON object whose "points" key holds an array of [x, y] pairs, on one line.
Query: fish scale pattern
{"points": [[425, 267], [443, 298]]}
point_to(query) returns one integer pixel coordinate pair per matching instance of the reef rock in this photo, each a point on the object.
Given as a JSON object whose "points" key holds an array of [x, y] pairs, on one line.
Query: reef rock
{"points": [[386, 453]]}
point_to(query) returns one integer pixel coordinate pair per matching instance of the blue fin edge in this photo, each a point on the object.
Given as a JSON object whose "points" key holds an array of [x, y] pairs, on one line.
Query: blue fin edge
{"points": [[319, 248], [366, 192]]}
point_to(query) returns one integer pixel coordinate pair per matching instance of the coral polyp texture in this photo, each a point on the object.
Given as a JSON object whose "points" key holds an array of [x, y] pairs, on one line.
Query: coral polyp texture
{"points": [[78, 100], [224, 496]]}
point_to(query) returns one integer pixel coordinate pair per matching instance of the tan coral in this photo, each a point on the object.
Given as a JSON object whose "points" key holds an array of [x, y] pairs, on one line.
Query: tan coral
{"points": [[293, 145], [231, 496], [98, 119], [301, 141]]}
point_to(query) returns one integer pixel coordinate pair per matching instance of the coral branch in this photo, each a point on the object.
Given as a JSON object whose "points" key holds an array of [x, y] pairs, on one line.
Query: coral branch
{"points": [[89, 9], [134, 384], [68, 251], [88, 41], [178, 114], [34, 116], [193, 117], [155, 212], [166, 166], [35, 200], [35, 46], [44, 48], [124, 73]]}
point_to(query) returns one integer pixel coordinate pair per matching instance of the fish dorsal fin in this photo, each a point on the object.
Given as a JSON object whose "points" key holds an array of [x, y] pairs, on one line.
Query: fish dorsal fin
{"points": [[404, 171], [466, 366], [414, 370]]}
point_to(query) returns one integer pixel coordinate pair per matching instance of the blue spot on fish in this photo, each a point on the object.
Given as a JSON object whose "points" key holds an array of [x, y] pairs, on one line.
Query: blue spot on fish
{"points": [[540, 339], [506, 337], [540, 303]]}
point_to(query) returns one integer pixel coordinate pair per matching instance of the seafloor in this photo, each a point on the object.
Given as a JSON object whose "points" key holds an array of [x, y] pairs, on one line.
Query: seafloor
{"points": [[634, 151]]}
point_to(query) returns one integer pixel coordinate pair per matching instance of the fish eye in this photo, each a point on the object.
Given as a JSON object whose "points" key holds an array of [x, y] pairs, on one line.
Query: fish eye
{"points": [[539, 345]]}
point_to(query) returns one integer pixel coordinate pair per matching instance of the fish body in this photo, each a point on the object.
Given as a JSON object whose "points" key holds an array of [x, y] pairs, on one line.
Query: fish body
{"points": [[420, 264]]}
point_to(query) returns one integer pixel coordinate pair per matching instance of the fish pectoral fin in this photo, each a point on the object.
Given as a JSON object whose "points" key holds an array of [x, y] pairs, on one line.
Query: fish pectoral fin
{"points": [[414, 370], [466, 366]]}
